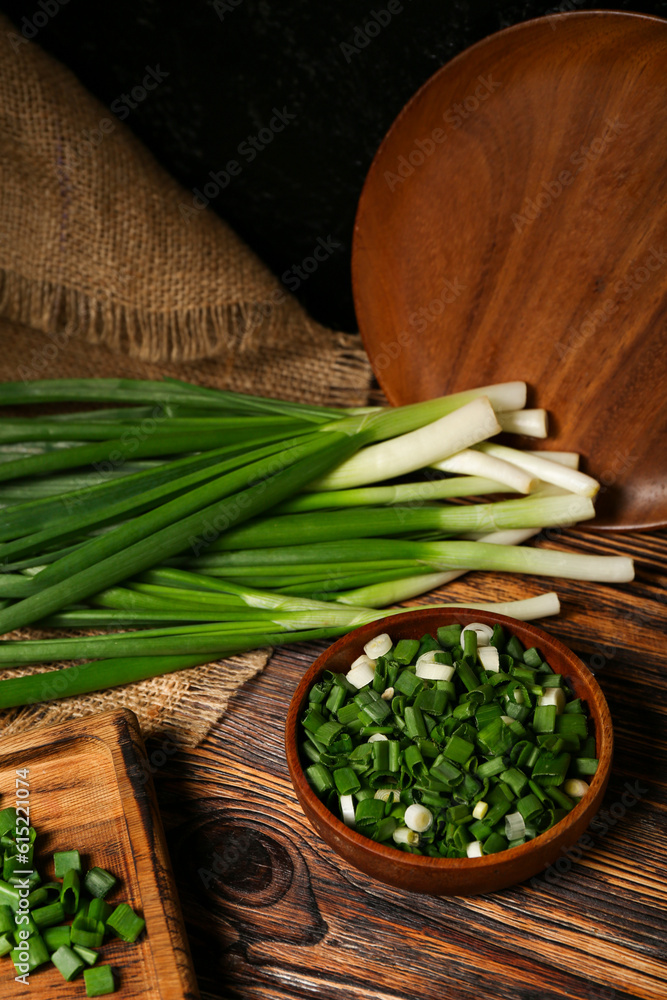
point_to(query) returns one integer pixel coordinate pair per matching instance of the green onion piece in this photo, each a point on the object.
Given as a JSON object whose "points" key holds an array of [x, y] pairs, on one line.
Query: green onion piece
{"points": [[369, 812], [495, 843], [55, 937], [9, 894], [532, 658], [498, 639], [444, 770], [585, 766], [347, 713], [432, 701], [36, 955], [551, 681], [496, 765], [320, 778], [8, 820], [126, 923], [87, 932], [375, 712], [405, 650], [514, 648], [496, 812], [7, 925], [524, 674], [515, 826], [39, 897], [346, 781], [28, 925], [99, 981], [310, 751], [537, 790], [6, 944], [496, 738], [449, 635], [529, 806], [457, 749], [414, 722], [408, 684], [544, 719], [64, 861], [560, 798], [480, 830], [49, 916], [550, 770], [335, 699], [458, 814], [89, 955], [516, 779], [99, 882], [464, 670], [313, 719], [67, 962], [414, 762], [572, 725], [551, 742], [325, 734], [69, 894], [14, 866]]}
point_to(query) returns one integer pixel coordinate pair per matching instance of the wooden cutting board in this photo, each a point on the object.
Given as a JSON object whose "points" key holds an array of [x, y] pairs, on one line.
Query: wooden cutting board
{"points": [[513, 225], [90, 788]]}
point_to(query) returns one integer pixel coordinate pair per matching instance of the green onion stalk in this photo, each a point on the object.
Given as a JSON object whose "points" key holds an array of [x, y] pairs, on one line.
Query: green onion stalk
{"points": [[209, 522], [157, 651]]}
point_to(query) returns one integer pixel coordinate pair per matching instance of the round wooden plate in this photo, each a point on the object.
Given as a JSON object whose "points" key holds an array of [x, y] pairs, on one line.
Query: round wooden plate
{"points": [[513, 225]]}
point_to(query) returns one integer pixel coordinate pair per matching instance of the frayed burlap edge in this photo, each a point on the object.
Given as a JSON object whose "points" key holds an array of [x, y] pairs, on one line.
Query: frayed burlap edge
{"points": [[329, 370], [184, 334]]}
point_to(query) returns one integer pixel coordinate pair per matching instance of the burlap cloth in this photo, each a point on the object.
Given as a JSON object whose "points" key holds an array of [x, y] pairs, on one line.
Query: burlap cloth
{"points": [[102, 273]]}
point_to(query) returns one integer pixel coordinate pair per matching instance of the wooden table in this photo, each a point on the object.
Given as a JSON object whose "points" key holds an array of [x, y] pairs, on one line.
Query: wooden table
{"points": [[272, 912]]}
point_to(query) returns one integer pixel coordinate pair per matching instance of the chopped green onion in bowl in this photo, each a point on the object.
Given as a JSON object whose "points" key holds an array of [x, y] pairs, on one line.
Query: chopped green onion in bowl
{"points": [[457, 738], [457, 783]]}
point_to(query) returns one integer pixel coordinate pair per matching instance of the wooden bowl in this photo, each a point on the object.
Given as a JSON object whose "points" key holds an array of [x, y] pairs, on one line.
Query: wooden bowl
{"points": [[452, 876], [513, 225]]}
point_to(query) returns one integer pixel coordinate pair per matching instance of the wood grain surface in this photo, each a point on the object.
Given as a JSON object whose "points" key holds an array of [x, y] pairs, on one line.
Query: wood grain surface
{"points": [[514, 225], [89, 788], [273, 914]]}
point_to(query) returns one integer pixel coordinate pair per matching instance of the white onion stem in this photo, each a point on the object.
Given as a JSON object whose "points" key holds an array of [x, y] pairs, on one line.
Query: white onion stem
{"points": [[532, 423], [393, 591], [511, 536], [471, 462], [550, 472], [541, 606], [417, 449], [503, 396], [568, 458]]}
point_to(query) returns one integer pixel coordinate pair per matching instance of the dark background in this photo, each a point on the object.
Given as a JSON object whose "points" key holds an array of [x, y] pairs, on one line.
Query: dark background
{"points": [[231, 62]]}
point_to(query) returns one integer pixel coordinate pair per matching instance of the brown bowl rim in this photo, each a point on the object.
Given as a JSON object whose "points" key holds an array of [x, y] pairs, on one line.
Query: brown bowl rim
{"points": [[422, 863]]}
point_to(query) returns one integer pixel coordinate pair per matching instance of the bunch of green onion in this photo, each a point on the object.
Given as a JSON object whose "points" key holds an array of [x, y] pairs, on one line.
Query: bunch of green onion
{"points": [[191, 523]]}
